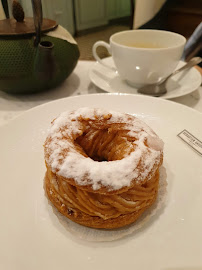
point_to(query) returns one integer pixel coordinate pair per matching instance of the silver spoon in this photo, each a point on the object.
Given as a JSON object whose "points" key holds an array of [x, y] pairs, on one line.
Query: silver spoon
{"points": [[159, 89]]}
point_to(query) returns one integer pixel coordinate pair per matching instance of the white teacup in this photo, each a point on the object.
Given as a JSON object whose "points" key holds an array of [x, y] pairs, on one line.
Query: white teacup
{"points": [[143, 56]]}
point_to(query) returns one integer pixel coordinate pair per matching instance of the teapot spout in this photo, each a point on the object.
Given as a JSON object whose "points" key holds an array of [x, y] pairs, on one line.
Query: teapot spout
{"points": [[45, 64]]}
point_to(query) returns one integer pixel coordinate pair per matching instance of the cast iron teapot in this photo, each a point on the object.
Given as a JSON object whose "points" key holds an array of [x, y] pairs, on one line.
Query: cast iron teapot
{"points": [[30, 59]]}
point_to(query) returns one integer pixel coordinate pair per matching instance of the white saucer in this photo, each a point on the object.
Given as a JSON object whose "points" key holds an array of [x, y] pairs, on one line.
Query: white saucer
{"points": [[179, 85]]}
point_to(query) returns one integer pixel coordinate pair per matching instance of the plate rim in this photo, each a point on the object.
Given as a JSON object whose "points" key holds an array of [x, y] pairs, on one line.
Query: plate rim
{"points": [[167, 101]]}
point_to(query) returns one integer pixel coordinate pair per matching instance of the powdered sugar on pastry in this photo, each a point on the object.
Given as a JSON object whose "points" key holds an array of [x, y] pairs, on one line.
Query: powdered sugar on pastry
{"points": [[139, 153]]}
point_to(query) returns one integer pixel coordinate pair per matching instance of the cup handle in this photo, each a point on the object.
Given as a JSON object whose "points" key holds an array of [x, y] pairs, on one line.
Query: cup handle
{"points": [[107, 46]]}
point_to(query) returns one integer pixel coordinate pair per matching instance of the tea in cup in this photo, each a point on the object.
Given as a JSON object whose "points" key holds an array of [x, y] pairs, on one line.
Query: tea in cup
{"points": [[143, 56]]}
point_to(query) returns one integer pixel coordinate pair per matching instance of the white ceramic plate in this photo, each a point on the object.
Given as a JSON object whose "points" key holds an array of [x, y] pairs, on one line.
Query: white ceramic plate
{"points": [[32, 236], [108, 80]]}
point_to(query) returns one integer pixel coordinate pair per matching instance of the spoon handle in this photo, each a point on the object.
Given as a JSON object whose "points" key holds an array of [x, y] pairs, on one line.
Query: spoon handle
{"points": [[194, 61]]}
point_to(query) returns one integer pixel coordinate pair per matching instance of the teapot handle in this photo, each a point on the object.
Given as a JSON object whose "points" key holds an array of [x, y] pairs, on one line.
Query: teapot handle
{"points": [[38, 18]]}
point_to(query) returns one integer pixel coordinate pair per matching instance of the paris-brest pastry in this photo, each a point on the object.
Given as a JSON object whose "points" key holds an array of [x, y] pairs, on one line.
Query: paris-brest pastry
{"points": [[102, 167]]}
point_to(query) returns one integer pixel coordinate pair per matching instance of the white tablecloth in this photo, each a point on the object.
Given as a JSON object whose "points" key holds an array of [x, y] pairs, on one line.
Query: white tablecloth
{"points": [[78, 83]]}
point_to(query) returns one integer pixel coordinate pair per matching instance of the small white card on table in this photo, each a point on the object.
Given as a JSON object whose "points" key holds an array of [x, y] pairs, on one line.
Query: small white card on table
{"points": [[191, 140]]}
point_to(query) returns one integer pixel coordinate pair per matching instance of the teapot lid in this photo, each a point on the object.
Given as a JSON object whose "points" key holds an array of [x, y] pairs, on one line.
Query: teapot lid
{"points": [[10, 27]]}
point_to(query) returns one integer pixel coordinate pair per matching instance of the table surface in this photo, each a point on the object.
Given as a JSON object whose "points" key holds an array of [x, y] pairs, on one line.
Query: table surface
{"points": [[78, 83]]}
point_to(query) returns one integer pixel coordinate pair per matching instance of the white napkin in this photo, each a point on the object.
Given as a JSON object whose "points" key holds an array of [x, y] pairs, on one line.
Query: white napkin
{"points": [[2, 13], [62, 33], [145, 10]]}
